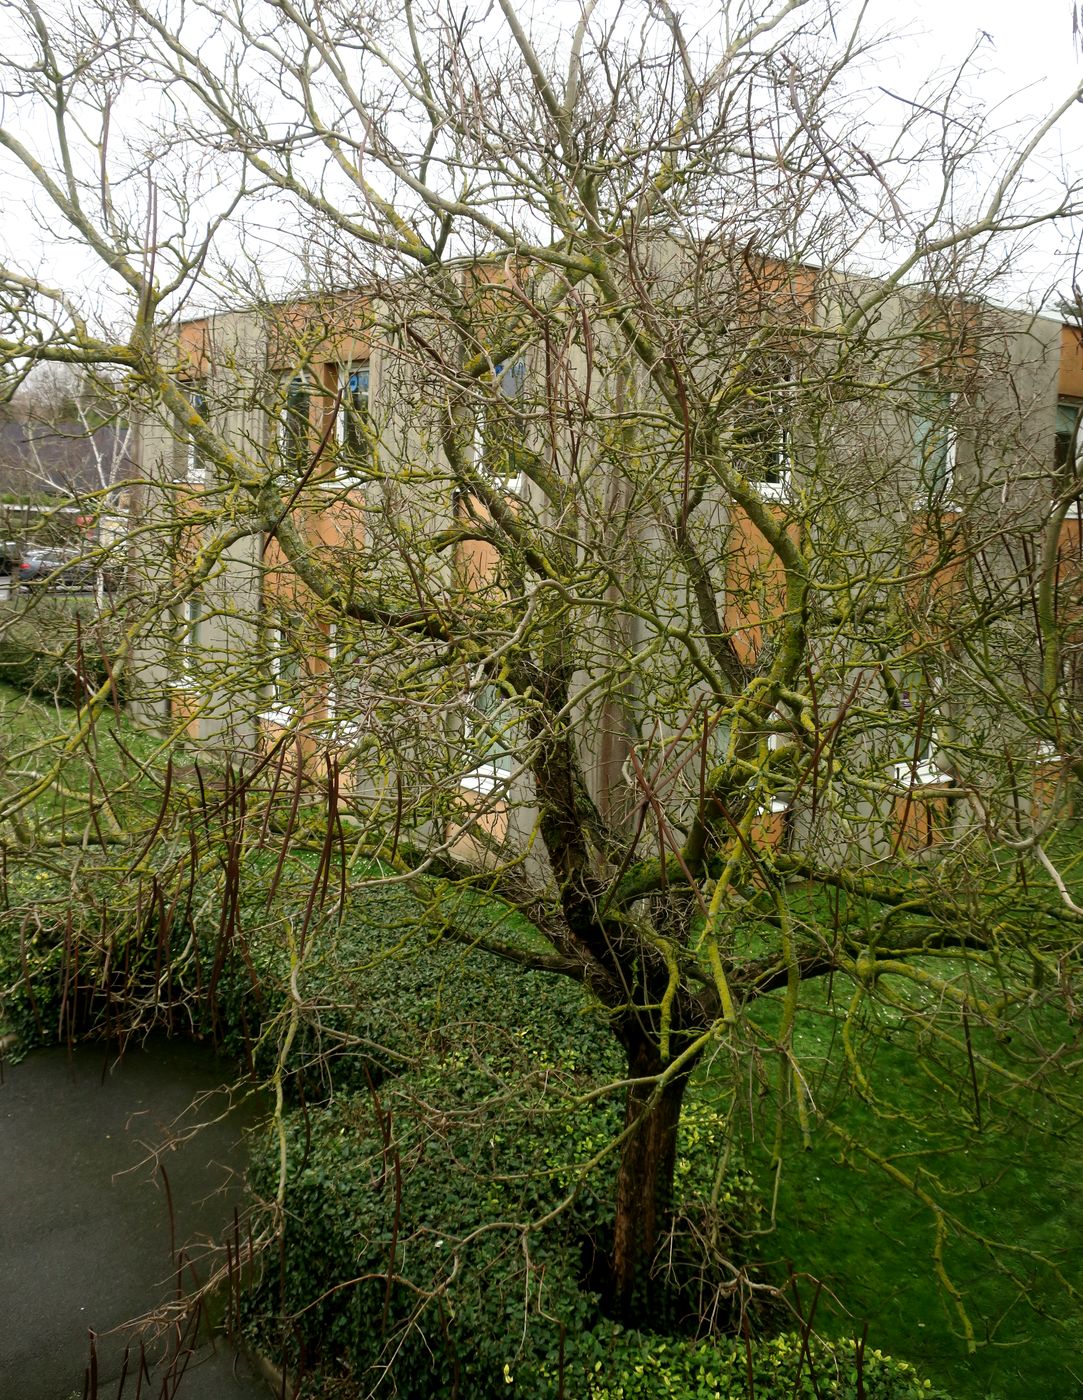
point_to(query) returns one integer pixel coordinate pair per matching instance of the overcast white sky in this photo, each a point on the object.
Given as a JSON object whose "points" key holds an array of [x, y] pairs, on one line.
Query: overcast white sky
{"points": [[1028, 40], [1027, 60], [1026, 46]]}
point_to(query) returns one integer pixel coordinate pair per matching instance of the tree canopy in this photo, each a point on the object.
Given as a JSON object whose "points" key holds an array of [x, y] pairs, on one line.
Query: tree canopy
{"points": [[602, 482]]}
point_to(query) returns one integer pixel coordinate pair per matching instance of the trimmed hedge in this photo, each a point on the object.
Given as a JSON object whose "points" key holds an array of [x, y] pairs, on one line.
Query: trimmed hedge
{"points": [[383, 1258], [785, 1367], [440, 1111], [43, 673]]}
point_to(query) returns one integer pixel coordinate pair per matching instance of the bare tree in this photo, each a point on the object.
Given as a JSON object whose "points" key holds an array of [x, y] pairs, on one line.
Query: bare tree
{"points": [[688, 569]]}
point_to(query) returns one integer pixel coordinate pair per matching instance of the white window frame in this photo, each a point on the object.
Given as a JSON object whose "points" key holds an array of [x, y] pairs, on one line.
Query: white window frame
{"points": [[509, 379], [777, 440], [342, 475], [922, 771], [781, 489], [342, 732], [942, 499], [188, 620], [492, 774], [277, 712], [775, 740], [331, 699], [195, 465]]}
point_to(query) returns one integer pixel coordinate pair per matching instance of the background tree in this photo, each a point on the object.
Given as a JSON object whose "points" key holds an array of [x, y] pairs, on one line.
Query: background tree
{"points": [[709, 608]]}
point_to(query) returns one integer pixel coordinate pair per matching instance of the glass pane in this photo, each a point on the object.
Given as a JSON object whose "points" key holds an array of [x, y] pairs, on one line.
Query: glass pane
{"points": [[499, 434], [1067, 444], [294, 428], [284, 665], [934, 443], [764, 453], [289, 667], [189, 629], [197, 465], [512, 379], [355, 412], [488, 728]]}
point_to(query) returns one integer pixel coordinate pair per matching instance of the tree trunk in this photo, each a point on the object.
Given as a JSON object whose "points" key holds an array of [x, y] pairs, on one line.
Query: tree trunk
{"points": [[644, 1183]]}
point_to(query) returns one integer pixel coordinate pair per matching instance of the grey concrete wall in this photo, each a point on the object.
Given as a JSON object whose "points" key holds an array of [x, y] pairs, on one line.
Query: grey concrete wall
{"points": [[855, 483]]}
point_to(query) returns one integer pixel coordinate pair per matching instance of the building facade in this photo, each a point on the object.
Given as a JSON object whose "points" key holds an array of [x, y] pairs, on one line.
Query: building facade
{"points": [[922, 459]]}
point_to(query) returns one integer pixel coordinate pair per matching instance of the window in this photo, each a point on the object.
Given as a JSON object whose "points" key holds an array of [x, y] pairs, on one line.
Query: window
{"points": [[188, 634], [498, 431], [355, 434], [334, 695], [777, 739], [763, 441], [349, 701], [341, 681], [921, 808], [195, 462], [766, 461], [1066, 452], [294, 436], [933, 435], [284, 671], [486, 731], [919, 768]]}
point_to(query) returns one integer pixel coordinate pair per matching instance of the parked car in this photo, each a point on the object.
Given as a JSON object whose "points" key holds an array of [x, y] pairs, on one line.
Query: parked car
{"points": [[57, 566], [11, 553]]}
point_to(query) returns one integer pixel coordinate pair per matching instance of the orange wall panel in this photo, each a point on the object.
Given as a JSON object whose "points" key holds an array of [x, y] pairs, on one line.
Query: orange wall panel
{"points": [[920, 822], [1070, 383], [195, 347], [755, 586]]}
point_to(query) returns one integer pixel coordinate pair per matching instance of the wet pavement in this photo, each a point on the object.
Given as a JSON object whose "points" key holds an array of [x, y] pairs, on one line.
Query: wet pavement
{"points": [[96, 1183]]}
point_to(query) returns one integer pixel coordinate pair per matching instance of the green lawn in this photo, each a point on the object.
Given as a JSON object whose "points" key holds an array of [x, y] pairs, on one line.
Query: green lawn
{"points": [[1008, 1166], [113, 768]]}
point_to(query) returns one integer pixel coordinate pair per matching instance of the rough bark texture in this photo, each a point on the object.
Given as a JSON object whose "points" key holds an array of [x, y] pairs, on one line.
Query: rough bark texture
{"points": [[644, 1182]]}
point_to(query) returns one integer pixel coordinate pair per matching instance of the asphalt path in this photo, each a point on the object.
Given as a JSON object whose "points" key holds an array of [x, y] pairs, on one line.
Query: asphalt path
{"points": [[93, 1155]]}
